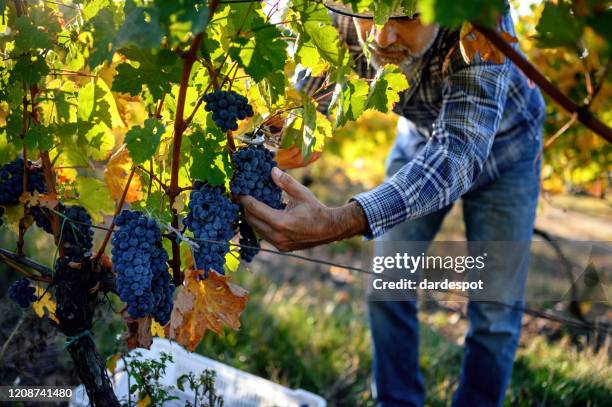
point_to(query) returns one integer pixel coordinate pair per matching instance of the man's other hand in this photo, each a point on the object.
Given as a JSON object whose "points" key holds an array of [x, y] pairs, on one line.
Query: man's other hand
{"points": [[305, 222]]}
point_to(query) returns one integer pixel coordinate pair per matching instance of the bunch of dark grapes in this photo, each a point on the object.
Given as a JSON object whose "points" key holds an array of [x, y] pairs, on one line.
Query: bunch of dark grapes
{"points": [[228, 107], [211, 218], [75, 222], [161, 286], [22, 292], [141, 266], [247, 238], [252, 166], [11, 181]]}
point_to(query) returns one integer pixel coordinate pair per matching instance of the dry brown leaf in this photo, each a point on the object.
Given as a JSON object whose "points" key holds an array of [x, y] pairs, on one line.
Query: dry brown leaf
{"points": [[472, 42], [48, 201], [206, 304], [139, 332], [116, 175]]}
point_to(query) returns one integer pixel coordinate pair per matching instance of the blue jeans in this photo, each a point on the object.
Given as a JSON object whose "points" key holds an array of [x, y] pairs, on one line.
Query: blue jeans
{"points": [[501, 211]]}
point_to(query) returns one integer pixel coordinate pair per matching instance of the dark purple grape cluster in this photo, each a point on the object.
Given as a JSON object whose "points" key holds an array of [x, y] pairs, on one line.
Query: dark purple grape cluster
{"points": [[141, 266], [252, 175], [22, 292], [11, 181], [75, 223], [247, 238], [211, 218], [227, 107], [161, 286]]}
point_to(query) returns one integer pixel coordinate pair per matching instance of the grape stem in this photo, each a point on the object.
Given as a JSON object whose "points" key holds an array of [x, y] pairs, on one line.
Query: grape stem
{"points": [[117, 211]]}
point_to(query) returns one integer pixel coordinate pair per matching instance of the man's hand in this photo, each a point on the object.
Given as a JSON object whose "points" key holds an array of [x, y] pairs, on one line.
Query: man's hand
{"points": [[305, 222]]}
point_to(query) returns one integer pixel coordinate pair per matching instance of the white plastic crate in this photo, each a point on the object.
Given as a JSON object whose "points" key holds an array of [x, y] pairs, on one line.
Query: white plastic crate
{"points": [[238, 388]]}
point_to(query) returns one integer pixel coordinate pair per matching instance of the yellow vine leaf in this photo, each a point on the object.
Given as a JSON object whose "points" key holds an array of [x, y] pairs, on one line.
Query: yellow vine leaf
{"points": [[111, 362], [206, 304], [144, 402], [45, 306], [472, 42], [117, 173], [157, 329]]}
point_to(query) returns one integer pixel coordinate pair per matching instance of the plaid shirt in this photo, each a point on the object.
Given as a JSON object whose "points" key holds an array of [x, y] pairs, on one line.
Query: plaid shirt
{"points": [[470, 123]]}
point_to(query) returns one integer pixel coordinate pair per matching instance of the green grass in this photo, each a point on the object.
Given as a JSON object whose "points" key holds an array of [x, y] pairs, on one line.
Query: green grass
{"points": [[319, 341]]}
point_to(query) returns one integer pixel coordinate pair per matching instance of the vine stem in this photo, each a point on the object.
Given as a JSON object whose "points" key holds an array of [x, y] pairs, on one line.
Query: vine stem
{"points": [[584, 115], [117, 210], [16, 260], [189, 58]]}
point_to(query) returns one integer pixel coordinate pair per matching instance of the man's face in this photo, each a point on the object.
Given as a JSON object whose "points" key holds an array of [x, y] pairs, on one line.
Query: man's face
{"points": [[395, 41]]}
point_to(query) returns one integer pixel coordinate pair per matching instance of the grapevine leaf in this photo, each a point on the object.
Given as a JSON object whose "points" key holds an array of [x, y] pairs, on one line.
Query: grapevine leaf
{"points": [[45, 305], [30, 37], [155, 70], [92, 7], [316, 28], [154, 206], [181, 17], [351, 101], [207, 154], [116, 174], [86, 101], [40, 137], [308, 56], [262, 53], [29, 69], [205, 305], [558, 26], [139, 332], [140, 28], [103, 28], [471, 43], [309, 117], [384, 90], [291, 157], [157, 329], [452, 13], [95, 196], [142, 142]]}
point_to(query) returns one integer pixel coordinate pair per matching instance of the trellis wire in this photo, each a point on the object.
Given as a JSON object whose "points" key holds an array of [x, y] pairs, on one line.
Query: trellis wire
{"points": [[590, 326]]}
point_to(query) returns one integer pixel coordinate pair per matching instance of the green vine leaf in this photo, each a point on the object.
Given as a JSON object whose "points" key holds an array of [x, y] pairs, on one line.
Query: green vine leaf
{"points": [[142, 142], [384, 91], [155, 70]]}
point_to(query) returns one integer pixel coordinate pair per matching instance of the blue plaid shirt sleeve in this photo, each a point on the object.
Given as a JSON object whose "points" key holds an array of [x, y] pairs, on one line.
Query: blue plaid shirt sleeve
{"points": [[448, 165]]}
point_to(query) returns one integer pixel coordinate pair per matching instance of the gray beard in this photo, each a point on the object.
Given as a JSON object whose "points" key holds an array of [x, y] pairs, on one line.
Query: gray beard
{"points": [[408, 65]]}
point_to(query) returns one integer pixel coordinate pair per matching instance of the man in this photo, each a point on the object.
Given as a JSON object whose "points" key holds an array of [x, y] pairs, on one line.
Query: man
{"points": [[466, 130]]}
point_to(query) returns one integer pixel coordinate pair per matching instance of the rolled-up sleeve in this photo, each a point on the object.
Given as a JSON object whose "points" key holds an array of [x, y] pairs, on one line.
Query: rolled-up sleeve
{"points": [[452, 159]]}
